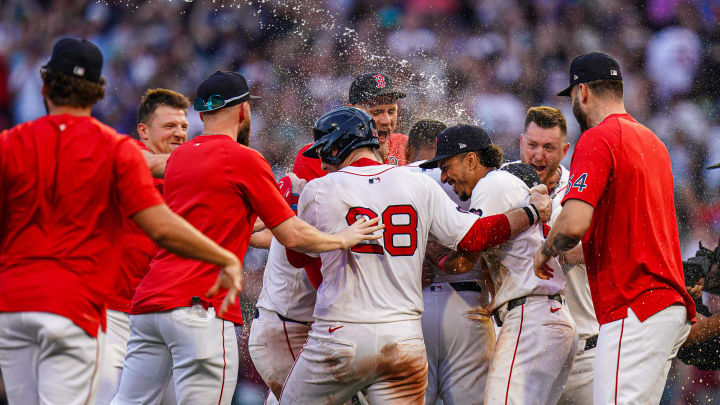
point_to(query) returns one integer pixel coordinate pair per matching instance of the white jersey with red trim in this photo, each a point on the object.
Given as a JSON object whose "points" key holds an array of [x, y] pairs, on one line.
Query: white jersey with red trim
{"points": [[511, 263], [286, 289], [379, 281], [440, 276], [577, 292]]}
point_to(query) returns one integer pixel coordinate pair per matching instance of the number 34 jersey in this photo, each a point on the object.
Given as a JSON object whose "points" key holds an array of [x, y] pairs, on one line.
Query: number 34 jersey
{"points": [[380, 280]]}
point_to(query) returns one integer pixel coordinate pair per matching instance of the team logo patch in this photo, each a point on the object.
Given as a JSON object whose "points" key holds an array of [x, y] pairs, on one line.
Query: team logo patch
{"points": [[380, 81]]}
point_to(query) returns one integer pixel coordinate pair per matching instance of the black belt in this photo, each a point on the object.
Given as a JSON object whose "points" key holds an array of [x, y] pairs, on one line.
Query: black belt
{"points": [[591, 342], [512, 304], [282, 318], [466, 286]]}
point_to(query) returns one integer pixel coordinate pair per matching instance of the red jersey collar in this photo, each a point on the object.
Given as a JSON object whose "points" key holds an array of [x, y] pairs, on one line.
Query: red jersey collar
{"points": [[364, 162]]}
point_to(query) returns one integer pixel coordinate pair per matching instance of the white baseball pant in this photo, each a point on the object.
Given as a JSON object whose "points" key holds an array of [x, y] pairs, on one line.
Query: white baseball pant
{"points": [[199, 349], [633, 358], [533, 353], [579, 387], [46, 359], [459, 338], [117, 335], [385, 360], [274, 346]]}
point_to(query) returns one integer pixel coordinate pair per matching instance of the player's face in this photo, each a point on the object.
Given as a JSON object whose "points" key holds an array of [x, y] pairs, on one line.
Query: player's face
{"points": [[243, 136], [543, 149], [455, 173], [165, 130], [385, 116], [578, 112], [327, 166]]}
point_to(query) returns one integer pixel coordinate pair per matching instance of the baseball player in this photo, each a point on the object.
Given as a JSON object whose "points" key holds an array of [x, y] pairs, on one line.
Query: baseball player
{"points": [[68, 180], [543, 145], [367, 333], [287, 298], [375, 94], [522, 371], [620, 202], [220, 186], [162, 127], [458, 331]]}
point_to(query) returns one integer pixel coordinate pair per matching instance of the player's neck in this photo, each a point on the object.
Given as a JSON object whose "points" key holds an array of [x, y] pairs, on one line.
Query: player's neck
{"points": [[552, 181], [69, 110], [229, 130], [604, 109], [357, 154]]}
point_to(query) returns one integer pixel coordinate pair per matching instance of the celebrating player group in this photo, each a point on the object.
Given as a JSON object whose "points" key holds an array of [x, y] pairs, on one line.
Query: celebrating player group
{"points": [[402, 269]]}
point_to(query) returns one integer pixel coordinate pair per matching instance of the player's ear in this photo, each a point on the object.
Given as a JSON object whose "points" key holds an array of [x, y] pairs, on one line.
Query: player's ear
{"points": [[241, 113], [565, 149], [142, 131]]}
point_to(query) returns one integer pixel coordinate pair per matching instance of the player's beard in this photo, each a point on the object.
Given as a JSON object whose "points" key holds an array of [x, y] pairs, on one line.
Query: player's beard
{"points": [[243, 135], [580, 116]]}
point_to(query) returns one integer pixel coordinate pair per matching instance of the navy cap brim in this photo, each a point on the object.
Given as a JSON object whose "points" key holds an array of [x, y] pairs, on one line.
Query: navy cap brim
{"points": [[311, 152], [435, 161], [715, 166], [255, 97], [566, 92]]}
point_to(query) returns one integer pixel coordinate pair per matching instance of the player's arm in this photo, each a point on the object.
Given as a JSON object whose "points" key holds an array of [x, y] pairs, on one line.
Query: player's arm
{"points": [[573, 256], [488, 232], [156, 163], [170, 231], [296, 234], [591, 169], [262, 239], [705, 328]]}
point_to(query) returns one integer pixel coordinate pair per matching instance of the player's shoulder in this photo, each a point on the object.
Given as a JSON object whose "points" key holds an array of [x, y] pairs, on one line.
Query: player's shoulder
{"points": [[501, 180]]}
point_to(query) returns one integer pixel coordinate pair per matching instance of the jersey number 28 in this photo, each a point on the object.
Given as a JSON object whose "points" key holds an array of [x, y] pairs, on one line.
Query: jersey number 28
{"points": [[399, 220]]}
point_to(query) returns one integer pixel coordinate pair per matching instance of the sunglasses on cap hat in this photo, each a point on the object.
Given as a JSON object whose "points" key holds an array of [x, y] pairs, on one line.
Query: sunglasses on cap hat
{"points": [[214, 102]]}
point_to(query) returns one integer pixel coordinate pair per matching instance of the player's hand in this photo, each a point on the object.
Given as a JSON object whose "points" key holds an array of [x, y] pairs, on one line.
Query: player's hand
{"points": [[542, 270], [541, 201], [360, 231], [696, 290], [428, 269], [296, 183], [230, 279]]}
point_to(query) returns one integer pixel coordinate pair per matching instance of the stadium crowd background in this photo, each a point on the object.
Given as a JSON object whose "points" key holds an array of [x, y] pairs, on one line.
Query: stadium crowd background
{"points": [[480, 61]]}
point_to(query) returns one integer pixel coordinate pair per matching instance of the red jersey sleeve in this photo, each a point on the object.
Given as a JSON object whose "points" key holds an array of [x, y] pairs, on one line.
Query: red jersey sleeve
{"points": [[135, 185], [590, 169], [263, 194]]}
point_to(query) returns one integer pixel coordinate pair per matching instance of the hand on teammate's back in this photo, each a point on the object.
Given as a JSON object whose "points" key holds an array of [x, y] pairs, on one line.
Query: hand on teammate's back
{"points": [[361, 230], [540, 199], [230, 278]]}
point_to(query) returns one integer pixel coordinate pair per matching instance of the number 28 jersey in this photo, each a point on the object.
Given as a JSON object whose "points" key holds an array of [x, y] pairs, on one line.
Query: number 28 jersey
{"points": [[379, 281]]}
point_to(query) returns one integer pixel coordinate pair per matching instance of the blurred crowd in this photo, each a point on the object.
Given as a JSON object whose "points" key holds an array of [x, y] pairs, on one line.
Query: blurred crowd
{"points": [[479, 61]]}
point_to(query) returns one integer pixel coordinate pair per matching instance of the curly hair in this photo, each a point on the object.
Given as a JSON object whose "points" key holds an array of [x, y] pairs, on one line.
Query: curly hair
{"points": [[66, 90], [489, 156]]}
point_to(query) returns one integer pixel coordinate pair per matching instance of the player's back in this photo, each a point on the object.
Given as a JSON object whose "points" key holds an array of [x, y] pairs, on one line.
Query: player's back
{"points": [[67, 182], [379, 281]]}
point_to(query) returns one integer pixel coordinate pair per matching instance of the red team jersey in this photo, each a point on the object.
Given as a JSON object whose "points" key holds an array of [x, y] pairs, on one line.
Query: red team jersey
{"points": [[67, 182], [307, 168], [632, 250], [396, 149], [137, 251], [220, 187]]}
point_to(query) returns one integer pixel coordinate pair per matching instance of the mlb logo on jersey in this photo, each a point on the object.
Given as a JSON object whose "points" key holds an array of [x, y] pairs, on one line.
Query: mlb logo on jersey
{"points": [[374, 180]]}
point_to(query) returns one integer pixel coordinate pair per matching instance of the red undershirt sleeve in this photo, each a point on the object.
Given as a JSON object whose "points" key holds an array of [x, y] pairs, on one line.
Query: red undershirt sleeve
{"points": [[486, 233]]}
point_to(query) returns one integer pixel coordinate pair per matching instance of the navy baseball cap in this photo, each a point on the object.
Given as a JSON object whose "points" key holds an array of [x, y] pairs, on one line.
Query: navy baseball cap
{"points": [[371, 85], [456, 140], [220, 90], [590, 67], [76, 57]]}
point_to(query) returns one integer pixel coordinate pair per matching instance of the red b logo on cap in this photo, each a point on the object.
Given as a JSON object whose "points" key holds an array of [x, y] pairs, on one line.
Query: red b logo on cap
{"points": [[380, 81]]}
